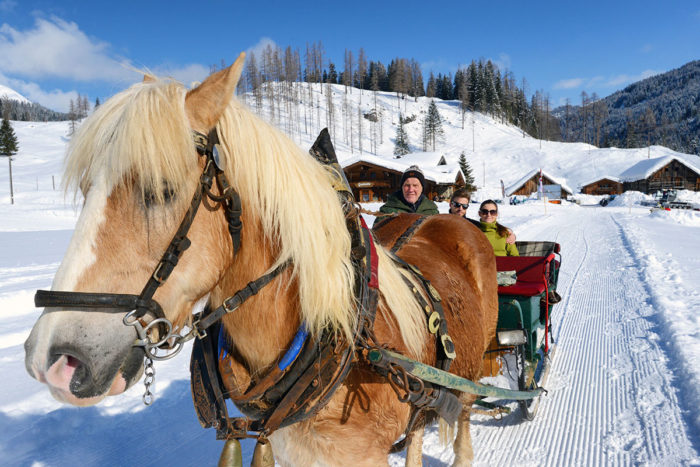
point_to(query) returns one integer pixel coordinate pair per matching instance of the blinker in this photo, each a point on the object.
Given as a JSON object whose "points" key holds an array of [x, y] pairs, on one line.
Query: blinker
{"points": [[217, 158]]}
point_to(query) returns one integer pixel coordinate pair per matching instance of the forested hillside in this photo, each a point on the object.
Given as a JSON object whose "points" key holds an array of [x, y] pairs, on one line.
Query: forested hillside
{"points": [[29, 112], [480, 86], [663, 109]]}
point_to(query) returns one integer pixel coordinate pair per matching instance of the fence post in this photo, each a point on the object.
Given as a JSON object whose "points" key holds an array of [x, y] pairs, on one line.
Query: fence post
{"points": [[12, 191]]}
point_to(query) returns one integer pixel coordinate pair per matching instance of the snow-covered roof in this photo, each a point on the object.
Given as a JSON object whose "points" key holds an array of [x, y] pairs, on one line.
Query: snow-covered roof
{"points": [[424, 159], [559, 181], [604, 177], [393, 164], [444, 174], [643, 169], [438, 173]]}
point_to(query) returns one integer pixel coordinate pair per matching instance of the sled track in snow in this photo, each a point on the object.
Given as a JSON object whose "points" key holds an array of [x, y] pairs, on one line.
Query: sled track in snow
{"points": [[685, 392], [611, 397]]}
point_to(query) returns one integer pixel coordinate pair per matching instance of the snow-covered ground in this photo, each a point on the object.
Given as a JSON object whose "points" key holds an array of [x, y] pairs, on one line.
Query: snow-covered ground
{"points": [[624, 387]]}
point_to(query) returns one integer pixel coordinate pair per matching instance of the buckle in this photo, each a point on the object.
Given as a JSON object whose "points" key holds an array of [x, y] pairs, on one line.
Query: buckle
{"points": [[195, 330], [450, 353]]}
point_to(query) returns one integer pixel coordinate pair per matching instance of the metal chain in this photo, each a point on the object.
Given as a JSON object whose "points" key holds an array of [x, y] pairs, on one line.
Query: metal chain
{"points": [[149, 379]]}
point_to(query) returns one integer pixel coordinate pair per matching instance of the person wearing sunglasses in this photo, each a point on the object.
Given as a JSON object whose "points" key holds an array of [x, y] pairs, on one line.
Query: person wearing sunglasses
{"points": [[459, 204], [495, 232], [410, 197]]}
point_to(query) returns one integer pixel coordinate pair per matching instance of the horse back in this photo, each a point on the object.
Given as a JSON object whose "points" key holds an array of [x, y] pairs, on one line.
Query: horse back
{"points": [[458, 260]]}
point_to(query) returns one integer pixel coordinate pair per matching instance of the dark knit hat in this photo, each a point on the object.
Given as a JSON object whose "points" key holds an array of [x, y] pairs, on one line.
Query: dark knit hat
{"points": [[415, 172]]}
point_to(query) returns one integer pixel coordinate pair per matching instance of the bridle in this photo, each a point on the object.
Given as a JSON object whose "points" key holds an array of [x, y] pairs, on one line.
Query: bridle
{"points": [[167, 343]]}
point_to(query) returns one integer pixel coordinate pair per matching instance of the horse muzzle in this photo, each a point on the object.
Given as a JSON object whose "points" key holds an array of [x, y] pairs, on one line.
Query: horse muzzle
{"points": [[83, 357]]}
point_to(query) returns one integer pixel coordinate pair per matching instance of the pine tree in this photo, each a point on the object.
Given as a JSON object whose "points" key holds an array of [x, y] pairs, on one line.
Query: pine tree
{"points": [[467, 172], [401, 146], [432, 126], [8, 140]]}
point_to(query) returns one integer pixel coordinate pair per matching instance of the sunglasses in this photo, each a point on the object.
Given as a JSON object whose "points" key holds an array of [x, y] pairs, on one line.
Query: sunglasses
{"points": [[486, 212], [455, 204]]}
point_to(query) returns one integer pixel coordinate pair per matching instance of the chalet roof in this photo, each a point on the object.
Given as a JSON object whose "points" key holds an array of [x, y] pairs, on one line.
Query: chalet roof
{"points": [[441, 174], [424, 159], [645, 168], [517, 185], [604, 177]]}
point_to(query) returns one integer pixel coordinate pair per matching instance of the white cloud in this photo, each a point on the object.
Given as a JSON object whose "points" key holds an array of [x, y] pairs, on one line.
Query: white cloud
{"points": [[258, 48], [623, 79], [502, 62], [647, 48], [59, 49], [55, 100], [569, 83]]}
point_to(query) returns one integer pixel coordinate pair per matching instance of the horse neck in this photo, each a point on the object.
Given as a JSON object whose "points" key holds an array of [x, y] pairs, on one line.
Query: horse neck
{"points": [[262, 327]]}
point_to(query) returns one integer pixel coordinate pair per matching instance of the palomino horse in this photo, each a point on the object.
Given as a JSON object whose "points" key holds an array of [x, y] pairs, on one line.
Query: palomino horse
{"points": [[136, 164]]}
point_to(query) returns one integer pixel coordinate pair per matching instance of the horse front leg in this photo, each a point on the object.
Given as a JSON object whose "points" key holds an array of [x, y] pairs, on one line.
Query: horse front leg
{"points": [[464, 453], [414, 451]]}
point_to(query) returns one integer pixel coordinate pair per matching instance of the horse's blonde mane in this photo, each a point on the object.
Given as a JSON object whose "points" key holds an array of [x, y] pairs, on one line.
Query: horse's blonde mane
{"points": [[299, 212], [143, 133]]}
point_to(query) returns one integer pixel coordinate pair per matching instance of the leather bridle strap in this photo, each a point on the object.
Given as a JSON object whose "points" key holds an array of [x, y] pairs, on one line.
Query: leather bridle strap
{"points": [[112, 303], [232, 303]]}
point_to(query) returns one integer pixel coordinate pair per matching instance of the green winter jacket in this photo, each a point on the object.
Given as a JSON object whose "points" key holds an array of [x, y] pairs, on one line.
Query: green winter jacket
{"points": [[396, 203], [500, 247]]}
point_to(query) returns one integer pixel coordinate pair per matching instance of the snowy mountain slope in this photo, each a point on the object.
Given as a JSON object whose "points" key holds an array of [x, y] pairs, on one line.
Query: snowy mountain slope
{"points": [[495, 151], [11, 94]]}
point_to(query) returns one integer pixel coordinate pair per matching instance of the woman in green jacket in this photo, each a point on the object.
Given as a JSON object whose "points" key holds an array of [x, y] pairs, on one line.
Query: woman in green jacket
{"points": [[495, 232]]}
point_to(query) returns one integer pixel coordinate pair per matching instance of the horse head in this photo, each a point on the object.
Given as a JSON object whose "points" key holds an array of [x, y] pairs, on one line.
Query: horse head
{"points": [[137, 166]]}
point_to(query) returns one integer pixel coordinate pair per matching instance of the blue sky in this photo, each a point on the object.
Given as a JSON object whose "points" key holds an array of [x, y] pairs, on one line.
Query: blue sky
{"points": [[52, 50]]}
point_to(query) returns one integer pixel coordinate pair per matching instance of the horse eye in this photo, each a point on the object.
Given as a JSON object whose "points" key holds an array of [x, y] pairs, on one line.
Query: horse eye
{"points": [[150, 199]]}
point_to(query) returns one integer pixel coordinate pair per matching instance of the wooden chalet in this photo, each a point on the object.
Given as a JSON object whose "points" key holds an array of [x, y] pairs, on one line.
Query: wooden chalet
{"points": [[662, 173], [373, 179], [530, 184], [603, 186]]}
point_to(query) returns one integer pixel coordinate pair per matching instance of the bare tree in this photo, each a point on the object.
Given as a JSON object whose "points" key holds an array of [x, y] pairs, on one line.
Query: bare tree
{"points": [[347, 72], [361, 71], [600, 115], [584, 114], [73, 117]]}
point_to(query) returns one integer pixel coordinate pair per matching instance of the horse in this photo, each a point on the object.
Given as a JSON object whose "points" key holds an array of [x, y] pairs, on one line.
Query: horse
{"points": [[136, 164]]}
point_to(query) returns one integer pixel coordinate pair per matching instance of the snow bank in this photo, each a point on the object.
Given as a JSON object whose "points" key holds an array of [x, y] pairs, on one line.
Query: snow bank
{"points": [[587, 200], [679, 216], [630, 198]]}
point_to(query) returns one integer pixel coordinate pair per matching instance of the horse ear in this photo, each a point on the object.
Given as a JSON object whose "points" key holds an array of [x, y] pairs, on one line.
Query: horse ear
{"points": [[205, 103], [149, 78]]}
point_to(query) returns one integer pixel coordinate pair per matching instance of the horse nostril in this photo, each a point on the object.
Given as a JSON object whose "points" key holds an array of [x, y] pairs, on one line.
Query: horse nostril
{"points": [[72, 362], [81, 374]]}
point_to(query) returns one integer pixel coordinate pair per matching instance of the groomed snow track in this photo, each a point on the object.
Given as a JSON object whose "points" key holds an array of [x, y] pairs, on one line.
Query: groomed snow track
{"points": [[612, 399]]}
